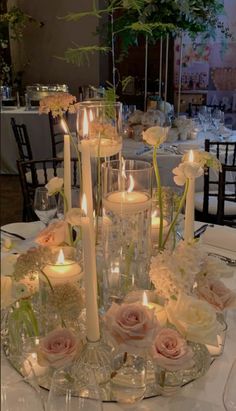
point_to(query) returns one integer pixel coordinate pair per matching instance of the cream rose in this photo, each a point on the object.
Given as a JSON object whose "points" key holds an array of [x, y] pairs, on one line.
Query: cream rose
{"points": [[216, 294], [73, 217], [194, 319], [54, 185], [54, 234], [171, 351], [155, 135], [59, 348], [132, 325]]}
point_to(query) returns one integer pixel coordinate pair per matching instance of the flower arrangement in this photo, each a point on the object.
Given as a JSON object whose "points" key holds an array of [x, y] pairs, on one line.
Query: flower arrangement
{"points": [[58, 104]]}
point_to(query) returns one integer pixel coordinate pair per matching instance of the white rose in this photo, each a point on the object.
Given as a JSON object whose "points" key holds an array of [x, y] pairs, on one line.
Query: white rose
{"points": [[194, 319], [54, 185], [155, 135], [73, 216]]}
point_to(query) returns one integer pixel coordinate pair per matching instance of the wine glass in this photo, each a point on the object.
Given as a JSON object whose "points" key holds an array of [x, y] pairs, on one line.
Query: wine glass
{"points": [[75, 202], [229, 394], [45, 205], [68, 393], [20, 392]]}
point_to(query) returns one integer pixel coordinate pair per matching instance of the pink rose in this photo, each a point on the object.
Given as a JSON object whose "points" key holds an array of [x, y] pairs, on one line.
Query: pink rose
{"points": [[216, 294], [171, 351], [59, 348], [54, 234], [133, 324]]}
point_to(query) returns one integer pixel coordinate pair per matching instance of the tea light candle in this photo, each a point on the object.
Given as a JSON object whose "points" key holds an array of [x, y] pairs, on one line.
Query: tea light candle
{"points": [[127, 202], [103, 147], [155, 227], [160, 311], [64, 271]]}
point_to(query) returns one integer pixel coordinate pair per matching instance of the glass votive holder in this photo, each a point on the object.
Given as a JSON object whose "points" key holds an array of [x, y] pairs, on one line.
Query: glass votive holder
{"points": [[167, 217], [61, 293], [100, 123], [126, 199]]}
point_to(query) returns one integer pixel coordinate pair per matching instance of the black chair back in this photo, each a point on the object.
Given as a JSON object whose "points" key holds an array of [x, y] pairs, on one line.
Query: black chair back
{"points": [[22, 140], [222, 186], [43, 171], [57, 133]]}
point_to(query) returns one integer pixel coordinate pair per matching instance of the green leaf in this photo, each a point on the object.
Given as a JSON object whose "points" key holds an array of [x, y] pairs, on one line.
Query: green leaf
{"points": [[81, 55]]}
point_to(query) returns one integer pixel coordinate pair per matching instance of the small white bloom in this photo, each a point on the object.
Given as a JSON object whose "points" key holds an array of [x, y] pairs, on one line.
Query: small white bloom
{"points": [[155, 135], [54, 185], [73, 217], [204, 158], [186, 170]]}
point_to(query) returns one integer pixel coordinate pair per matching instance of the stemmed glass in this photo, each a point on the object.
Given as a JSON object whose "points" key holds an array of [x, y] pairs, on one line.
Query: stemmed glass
{"points": [[20, 392], [45, 206], [75, 202], [68, 393], [229, 395]]}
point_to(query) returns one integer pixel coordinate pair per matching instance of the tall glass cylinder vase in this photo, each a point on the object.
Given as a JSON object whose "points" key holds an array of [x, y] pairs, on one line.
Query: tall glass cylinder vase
{"points": [[100, 122], [127, 203]]}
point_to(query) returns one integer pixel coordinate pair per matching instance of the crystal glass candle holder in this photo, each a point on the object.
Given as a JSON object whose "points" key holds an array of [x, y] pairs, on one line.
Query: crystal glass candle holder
{"points": [[167, 211], [100, 123], [126, 240]]}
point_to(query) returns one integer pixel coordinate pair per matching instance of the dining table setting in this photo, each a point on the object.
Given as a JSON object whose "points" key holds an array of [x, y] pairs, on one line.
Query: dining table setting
{"points": [[116, 297]]}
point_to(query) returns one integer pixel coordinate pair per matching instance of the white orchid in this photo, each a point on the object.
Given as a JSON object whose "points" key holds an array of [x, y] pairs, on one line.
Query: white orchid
{"points": [[155, 135], [186, 170], [54, 185]]}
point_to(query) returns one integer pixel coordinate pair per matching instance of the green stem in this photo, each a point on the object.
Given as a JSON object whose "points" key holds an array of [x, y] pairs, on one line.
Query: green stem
{"points": [[128, 259], [182, 201], [159, 194]]}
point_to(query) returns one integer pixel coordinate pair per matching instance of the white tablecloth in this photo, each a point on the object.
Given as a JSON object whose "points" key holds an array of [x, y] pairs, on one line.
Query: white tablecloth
{"points": [[204, 394]]}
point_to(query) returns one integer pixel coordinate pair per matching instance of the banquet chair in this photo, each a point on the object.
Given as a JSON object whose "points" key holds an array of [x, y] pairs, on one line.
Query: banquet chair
{"points": [[48, 169], [57, 133], [217, 203], [22, 140]]}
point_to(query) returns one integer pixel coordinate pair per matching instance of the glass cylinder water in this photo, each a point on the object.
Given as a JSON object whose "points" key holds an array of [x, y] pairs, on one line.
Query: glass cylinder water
{"points": [[127, 202], [100, 122]]}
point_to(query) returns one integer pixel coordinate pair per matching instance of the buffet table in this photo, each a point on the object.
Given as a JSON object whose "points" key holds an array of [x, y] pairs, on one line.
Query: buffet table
{"points": [[204, 394]]}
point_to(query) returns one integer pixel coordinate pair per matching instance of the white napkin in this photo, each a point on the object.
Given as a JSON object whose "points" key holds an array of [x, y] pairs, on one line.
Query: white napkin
{"points": [[221, 237]]}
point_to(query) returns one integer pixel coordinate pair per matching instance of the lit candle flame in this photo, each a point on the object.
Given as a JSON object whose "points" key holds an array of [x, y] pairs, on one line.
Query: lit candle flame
{"points": [[191, 156], [90, 115], [64, 126], [85, 124], [60, 258], [145, 299], [84, 204], [131, 184], [154, 213]]}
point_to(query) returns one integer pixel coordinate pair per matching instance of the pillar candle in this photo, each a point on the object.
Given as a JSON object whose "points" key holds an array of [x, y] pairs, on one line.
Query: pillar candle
{"points": [[90, 278], [67, 170], [166, 72], [190, 205]]}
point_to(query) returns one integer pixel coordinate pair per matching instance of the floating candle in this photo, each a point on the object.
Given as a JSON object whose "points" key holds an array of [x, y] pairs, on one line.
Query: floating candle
{"points": [[63, 271]]}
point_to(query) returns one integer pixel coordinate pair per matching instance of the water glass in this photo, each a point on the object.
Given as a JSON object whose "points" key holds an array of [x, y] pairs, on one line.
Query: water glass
{"points": [[69, 394], [20, 392], [45, 206], [229, 395]]}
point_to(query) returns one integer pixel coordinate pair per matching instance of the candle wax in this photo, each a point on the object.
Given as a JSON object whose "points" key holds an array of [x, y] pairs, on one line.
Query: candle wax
{"points": [[127, 202], [62, 273]]}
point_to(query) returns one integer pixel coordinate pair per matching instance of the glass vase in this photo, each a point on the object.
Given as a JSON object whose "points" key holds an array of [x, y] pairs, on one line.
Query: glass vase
{"points": [[61, 295], [168, 382], [126, 235], [128, 378], [100, 122], [167, 213]]}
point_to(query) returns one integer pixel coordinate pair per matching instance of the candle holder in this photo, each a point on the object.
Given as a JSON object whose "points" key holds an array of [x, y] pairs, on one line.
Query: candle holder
{"points": [[97, 356], [101, 123], [126, 241], [167, 196], [61, 295]]}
